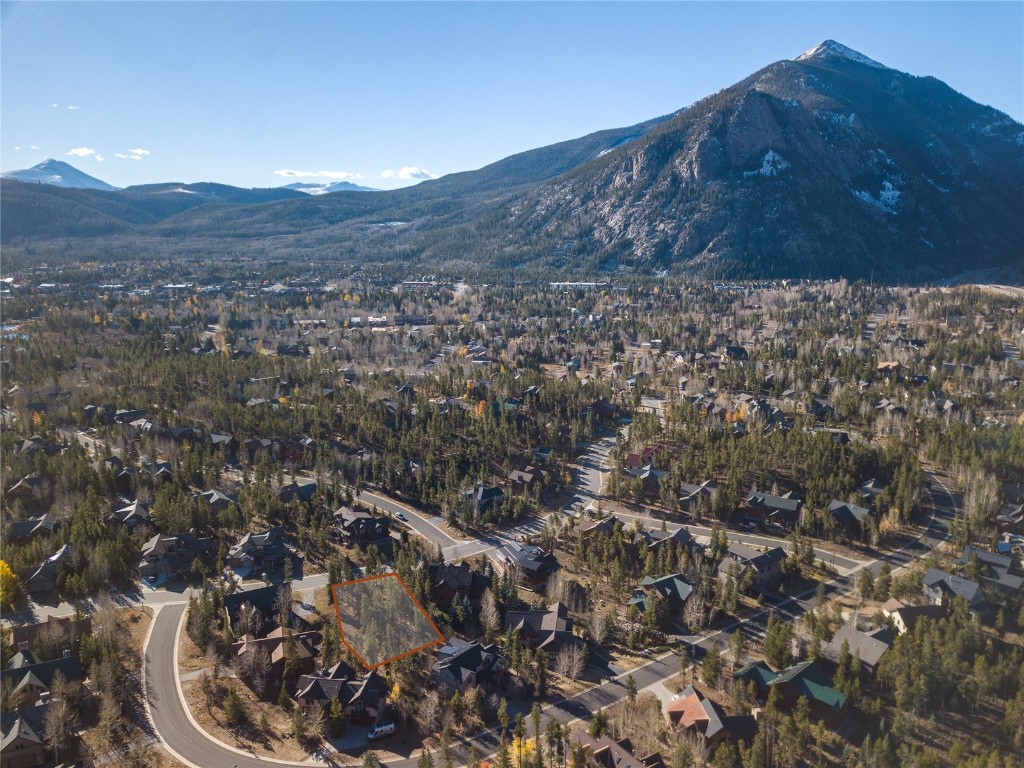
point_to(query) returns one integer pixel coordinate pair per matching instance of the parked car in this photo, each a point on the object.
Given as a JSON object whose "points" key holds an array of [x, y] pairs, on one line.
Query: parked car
{"points": [[381, 730]]}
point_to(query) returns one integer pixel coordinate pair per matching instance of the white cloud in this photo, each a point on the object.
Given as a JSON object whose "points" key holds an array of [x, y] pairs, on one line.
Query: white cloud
{"points": [[290, 174], [17, 149], [132, 154], [408, 173], [55, 105], [412, 172], [100, 158], [82, 151], [34, 146], [73, 108]]}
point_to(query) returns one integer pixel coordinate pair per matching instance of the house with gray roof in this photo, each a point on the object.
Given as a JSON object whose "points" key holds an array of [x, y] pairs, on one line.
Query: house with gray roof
{"points": [[870, 646], [461, 665], [765, 567], [940, 587], [995, 571]]}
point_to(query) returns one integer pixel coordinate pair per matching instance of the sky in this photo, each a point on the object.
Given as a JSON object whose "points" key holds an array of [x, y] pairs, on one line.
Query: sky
{"points": [[385, 94]]}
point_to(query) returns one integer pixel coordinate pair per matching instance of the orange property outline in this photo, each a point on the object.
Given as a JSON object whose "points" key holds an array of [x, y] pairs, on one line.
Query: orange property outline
{"points": [[341, 629]]}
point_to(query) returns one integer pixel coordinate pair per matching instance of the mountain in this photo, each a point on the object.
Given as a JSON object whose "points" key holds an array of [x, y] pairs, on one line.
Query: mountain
{"points": [[326, 189], [827, 165], [58, 174]]}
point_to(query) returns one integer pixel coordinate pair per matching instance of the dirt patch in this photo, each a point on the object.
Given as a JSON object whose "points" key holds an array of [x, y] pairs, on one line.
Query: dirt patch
{"points": [[208, 712], [190, 658]]}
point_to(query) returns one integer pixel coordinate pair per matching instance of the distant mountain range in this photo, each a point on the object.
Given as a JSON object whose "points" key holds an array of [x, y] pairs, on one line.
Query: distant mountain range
{"points": [[827, 165], [326, 189], [58, 174]]}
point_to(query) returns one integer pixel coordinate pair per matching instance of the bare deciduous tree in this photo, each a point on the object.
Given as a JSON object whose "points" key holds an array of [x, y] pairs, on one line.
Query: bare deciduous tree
{"points": [[569, 662], [57, 725]]}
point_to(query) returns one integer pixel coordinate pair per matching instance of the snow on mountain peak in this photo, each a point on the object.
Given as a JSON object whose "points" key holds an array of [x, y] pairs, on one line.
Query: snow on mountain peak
{"points": [[830, 49]]}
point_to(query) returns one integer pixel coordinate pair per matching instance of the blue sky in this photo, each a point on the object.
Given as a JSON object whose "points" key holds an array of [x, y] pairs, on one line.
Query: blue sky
{"points": [[388, 93]]}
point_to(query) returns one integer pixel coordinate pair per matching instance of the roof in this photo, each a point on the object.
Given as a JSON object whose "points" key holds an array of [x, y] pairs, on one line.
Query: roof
{"points": [[24, 724], [952, 585], [997, 569], [759, 561], [783, 503], [807, 679], [844, 512], [870, 646]]}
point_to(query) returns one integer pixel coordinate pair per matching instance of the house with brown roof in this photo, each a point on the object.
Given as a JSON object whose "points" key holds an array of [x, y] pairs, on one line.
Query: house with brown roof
{"points": [[550, 630], [692, 712], [21, 738], [362, 698], [275, 645], [609, 753]]}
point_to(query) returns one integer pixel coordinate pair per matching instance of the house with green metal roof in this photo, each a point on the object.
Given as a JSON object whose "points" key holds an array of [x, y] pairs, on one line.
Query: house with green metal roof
{"points": [[673, 588], [805, 679]]}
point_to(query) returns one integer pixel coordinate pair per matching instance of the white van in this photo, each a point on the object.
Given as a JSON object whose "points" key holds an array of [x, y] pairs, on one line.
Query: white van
{"points": [[381, 730]]}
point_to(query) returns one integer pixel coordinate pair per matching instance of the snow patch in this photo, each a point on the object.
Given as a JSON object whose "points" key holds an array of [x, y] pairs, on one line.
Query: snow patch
{"points": [[771, 164], [604, 152], [887, 198], [830, 49]]}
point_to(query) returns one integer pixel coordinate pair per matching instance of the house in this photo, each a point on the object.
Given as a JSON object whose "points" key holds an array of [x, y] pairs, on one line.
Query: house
{"points": [[363, 699], [297, 490], [870, 491], [783, 510], [906, 618], [849, 517], [870, 646], [358, 527], [160, 471], [261, 551], [218, 501], [674, 589], [805, 679], [531, 565], [693, 497], [461, 665], [33, 491], [166, 556], [36, 444], [940, 587], [227, 445], [650, 478], [550, 630], [132, 515], [692, 712], [606, 752], [995, 571], [27, 683], [482, 499], [21, 737], [821, 409], [42, 581], [655, 538], [26, 530], [1011, 518], [261, 448], [306, 645], [449, 581], [523, 481], [765, 567], [67, 629]]}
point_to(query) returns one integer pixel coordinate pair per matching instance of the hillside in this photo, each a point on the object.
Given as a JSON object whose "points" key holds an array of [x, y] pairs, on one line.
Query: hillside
{"points": [[827, 165]]}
